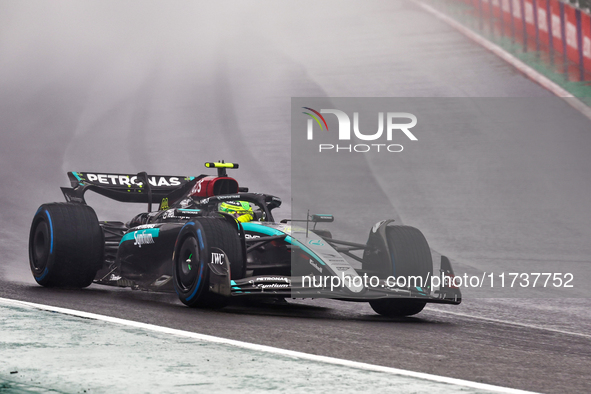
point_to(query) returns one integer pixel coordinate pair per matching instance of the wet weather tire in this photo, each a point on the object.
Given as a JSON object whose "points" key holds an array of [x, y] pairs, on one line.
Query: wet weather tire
{"points": [[66, 245], [195, 243], [408, 256], [393, 307], [410, 252]]}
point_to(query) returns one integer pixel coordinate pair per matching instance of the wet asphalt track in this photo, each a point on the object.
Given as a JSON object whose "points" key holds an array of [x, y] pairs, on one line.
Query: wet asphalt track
{"points": [[91, 89]]}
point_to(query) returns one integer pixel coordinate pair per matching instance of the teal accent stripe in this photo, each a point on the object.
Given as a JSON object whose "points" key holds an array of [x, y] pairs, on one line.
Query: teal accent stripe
{"points": [[131, 236], [77, 177], [272, 232], [259, 228]]}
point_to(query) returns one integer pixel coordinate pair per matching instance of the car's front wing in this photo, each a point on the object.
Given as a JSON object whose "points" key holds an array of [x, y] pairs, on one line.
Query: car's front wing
{"points": [[299, 287]]}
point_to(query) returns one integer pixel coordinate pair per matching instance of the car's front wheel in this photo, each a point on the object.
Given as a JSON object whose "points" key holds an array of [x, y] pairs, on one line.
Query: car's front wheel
{"points": [[393, 307], [399, 252], [199, 242]]}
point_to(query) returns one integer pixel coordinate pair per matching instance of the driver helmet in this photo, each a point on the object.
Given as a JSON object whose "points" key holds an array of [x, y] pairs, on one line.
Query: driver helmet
{"points": [[241, 210]]}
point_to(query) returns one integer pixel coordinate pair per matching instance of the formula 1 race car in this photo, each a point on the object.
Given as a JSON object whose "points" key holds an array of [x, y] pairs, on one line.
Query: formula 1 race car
{"points": [[208, 255]]}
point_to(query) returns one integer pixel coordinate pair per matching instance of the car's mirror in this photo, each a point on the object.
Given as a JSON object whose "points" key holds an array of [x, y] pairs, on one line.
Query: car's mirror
{"points": [[321, 218]]}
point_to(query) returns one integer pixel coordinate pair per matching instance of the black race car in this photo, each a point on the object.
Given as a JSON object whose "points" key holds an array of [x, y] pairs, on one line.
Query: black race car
{"points": [[209, 256]]}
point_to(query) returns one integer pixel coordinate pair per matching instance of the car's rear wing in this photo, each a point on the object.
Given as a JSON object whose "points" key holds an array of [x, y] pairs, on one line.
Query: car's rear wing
{"points": [[138, 188]]}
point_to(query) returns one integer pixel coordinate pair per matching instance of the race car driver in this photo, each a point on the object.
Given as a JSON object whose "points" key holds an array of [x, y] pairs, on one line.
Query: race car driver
{"points": [[241, 210]]}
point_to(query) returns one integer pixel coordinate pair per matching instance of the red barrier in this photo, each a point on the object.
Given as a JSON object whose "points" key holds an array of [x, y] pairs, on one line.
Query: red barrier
{"points": [[543, 26], [586, 28], [556, 25], [571, 34], [548, 26]]}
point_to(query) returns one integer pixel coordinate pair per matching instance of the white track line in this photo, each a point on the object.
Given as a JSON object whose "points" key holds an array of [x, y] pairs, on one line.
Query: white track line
{"points": [[518, 64], [555, 330], [267, 349]]}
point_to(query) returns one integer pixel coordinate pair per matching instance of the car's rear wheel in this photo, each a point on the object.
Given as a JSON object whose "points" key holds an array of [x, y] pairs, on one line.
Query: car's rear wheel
{"points": [[196, 242], [66, 245]]}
